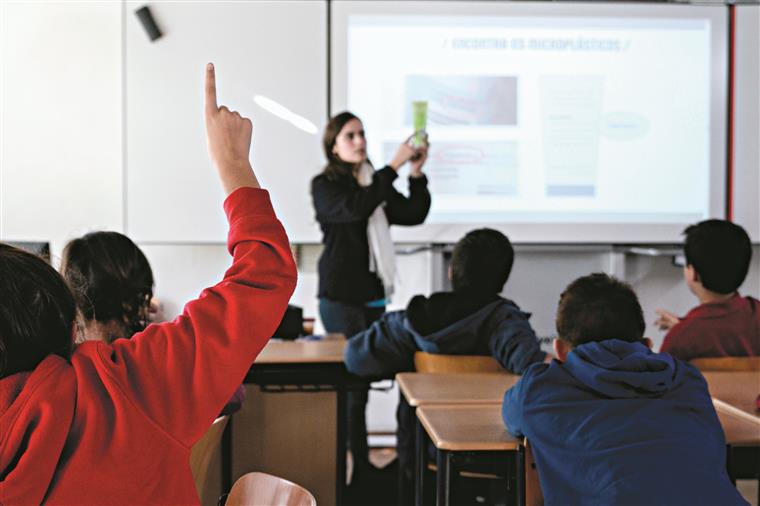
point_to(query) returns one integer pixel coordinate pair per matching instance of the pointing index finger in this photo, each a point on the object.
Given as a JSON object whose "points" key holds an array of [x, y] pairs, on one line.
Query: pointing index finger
{"points": [[210, 89]]}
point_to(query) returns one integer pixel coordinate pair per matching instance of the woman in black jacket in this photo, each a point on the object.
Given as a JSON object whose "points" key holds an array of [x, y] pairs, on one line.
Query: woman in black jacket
{"points": [[355, 205]]}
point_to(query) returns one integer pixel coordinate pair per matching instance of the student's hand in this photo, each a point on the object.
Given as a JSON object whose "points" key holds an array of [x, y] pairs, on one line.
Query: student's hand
{"points": [[229, 140], [665, 319]]}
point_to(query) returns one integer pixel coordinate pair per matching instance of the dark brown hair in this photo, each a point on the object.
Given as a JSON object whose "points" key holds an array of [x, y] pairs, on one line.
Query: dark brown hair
{"points": [[720, 252], [111, 280], [481, 262], [37, 312], [598, 307], [336, 168]]}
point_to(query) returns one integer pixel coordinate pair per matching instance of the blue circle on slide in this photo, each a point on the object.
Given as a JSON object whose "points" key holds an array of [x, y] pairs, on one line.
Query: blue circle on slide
{"points": [[623, 126]]}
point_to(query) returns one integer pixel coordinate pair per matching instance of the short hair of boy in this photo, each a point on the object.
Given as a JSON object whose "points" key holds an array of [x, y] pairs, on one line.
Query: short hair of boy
{"points": [[37, 312], [720, 252], [482, 261], [598, 307]]}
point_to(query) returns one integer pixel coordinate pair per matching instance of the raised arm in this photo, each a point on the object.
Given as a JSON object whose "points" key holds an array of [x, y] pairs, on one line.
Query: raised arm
{"points": [[181, 373], [411, 210]]}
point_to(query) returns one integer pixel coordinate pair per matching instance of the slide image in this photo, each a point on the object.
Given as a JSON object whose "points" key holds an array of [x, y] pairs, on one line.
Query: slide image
{"points": [[464, 100], [571, 110], [470, 168]]}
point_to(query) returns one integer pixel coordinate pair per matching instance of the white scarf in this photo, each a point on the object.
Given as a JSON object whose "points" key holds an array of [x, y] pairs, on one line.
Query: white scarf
{"points": [[382, 259]]}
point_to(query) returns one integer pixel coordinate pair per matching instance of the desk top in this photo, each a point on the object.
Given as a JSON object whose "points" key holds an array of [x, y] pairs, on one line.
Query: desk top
{"points": [[739, 427], [474, 427], [739, 389], [459, 388], [329, 350]]}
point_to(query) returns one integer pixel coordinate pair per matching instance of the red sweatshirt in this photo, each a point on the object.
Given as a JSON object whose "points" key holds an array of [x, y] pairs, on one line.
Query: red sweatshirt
{"points": [[116, 424], [717, 329]]}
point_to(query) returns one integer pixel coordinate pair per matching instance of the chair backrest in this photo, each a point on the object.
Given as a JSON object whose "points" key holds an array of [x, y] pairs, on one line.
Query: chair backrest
{"points": [[433, 362], [262, 488], [727, 364], [202, 454]]}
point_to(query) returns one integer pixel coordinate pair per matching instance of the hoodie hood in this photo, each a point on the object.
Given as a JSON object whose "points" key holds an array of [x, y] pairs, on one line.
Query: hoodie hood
{"points": [[456, 323], [36, 413], [621, 369]]}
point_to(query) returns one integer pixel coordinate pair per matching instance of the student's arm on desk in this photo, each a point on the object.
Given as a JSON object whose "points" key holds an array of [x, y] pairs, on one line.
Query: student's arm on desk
{"points": [[381, 351], [515, 345]]}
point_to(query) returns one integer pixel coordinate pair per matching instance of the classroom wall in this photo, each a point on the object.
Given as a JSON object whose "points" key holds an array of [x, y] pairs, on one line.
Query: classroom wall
{"points": [[62, 159]]}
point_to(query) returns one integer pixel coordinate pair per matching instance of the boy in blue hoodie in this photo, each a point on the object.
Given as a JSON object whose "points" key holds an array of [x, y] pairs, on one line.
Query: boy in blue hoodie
{"points": [[473, 319], [611, 422]]}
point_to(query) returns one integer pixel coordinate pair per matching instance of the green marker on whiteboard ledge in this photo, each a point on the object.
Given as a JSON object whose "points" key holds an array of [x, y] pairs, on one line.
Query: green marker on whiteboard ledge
{"points": [[419, 113]]}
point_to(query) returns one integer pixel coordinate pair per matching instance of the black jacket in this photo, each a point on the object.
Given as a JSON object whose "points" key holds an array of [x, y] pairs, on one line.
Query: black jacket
{"points": [[343, 208]]}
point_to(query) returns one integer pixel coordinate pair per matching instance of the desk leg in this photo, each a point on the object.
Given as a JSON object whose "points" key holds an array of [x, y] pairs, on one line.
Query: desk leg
{"points": [[340, 458], [420, 464], [443, 479], [519, 476]]}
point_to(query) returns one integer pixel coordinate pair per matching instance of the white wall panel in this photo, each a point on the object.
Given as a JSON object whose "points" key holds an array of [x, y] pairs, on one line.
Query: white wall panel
{"points": [[61, 144]]}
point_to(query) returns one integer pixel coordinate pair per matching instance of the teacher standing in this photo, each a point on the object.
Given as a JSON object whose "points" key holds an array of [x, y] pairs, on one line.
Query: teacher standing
{"points": [[355, 206]]}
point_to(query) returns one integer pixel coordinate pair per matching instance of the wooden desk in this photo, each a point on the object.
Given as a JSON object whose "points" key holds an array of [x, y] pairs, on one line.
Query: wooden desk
{"points": [[327, 350], [461, 388], [293, 421], [740, 428], [739, 389], [430, 389], [459, 430]]}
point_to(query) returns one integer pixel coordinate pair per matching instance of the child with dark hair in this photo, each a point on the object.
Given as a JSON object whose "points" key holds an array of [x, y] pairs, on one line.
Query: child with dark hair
{"points": [[725, 324], [112, 283], [473, 319], [114, 423], [611, 422]]}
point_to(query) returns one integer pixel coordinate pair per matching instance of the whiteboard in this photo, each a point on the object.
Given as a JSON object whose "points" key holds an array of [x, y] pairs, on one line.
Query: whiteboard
{"points": [[571, 122], [274, 50], [60, 120]]}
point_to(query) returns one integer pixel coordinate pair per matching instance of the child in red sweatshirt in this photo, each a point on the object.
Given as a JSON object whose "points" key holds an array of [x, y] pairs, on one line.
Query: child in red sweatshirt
{"points": [[725, 324], [114, 423]]}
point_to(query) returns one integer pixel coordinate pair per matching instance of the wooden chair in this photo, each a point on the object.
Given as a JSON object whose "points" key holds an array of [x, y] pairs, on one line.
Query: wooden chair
{"points": [[435, 363], [735, 364], [261, 488], [533, 494], [201, 457]]}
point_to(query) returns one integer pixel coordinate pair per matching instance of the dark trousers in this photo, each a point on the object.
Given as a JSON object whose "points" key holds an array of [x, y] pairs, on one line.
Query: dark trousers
{"points": [[350, 319]]}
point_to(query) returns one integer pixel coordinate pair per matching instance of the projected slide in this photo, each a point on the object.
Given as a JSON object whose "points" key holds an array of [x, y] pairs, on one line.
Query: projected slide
{"points": [[465, 100], [486, 168], [543, 119]]}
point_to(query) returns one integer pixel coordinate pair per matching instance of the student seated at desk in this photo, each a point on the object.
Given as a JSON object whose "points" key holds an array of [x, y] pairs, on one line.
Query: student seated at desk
{"points": [[725, 324], [611, 422], [114, 423], [112, 283], [473, 319]]}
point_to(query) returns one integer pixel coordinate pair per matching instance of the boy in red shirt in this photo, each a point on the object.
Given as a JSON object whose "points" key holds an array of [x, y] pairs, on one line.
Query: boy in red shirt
{"points": [[114, 423], [725, 324]]}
